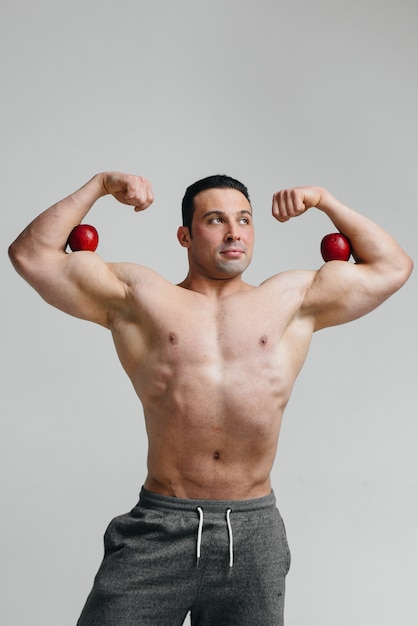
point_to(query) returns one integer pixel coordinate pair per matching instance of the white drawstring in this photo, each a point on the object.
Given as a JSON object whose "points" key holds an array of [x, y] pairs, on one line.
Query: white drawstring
{"points": [[230, 536], [231, 539], [199, 533]]}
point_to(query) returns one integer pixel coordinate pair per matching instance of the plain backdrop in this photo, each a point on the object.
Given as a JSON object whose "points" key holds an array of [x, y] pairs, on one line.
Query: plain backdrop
{"points": [[276, 93]]}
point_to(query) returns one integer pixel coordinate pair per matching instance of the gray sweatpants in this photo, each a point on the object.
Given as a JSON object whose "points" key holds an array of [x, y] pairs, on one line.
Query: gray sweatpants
{"points": [[224, 561]]}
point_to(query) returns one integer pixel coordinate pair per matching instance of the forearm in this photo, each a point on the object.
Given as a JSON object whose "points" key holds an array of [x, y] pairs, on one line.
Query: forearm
{"points": [[44, 240], [340, 292], [371, 244], [50, 230]]}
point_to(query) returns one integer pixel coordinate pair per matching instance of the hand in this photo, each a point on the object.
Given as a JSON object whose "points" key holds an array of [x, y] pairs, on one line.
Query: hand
{"points": [[289, 203], [129, 189]]}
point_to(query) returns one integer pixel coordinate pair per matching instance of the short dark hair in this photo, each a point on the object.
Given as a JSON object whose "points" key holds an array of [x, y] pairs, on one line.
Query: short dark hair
{"points": [[218, 181]]}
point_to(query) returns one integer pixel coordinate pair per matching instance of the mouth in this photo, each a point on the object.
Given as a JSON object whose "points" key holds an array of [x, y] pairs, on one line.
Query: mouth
{"points": [[232, 252]]}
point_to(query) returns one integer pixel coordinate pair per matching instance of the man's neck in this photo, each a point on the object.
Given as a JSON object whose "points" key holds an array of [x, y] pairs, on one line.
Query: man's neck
{"points": [[215, 288]]}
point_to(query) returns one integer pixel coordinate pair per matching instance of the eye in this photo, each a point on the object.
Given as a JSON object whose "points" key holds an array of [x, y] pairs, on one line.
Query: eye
{"points": [[244, 220], [215, 220]]}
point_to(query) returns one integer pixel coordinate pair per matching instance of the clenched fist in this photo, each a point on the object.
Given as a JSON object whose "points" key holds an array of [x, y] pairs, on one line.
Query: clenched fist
{"points": [[289, 203], [129, 189]]}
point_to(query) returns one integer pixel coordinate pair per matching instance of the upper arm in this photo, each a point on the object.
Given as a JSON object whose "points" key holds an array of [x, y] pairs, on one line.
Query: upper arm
{"points": [[80, 284], [340, 292]]}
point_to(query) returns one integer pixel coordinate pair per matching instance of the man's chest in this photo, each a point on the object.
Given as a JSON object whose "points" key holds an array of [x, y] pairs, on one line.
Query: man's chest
{"points": [[239, 328]]}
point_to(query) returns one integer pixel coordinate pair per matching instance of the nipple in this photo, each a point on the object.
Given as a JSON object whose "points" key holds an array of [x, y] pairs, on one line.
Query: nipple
{"points": [[173, 339], [263, 340]]}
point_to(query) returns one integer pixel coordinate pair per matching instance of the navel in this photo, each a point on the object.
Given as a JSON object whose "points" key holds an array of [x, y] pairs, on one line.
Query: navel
{"points": [[263, 340], [216, 455], [173, 338]]}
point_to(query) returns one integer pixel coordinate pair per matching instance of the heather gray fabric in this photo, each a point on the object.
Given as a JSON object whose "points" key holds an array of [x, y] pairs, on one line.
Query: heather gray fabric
{"points": [[150, 574]]}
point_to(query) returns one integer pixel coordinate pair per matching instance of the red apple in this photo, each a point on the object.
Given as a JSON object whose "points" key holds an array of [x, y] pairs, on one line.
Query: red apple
{"points": [[83, 237], [335, 247]]}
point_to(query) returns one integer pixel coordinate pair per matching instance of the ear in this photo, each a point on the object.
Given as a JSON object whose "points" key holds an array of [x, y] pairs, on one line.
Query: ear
{"points": [[183, 235]]}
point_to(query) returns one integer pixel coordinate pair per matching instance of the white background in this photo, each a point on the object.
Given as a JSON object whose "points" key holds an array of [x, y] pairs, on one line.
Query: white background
{"points": [[276, 93]]}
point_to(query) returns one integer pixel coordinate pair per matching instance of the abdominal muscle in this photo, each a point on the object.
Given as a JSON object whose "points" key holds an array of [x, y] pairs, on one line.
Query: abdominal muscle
{"points": [[214, 444], [212, 419]]}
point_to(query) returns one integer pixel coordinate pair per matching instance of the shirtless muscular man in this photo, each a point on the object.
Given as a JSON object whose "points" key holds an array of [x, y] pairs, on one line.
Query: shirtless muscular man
{"points": [[213, 361]]}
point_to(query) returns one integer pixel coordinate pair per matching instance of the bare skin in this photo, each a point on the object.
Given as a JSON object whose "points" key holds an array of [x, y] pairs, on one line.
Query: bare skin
{"points": [[214, 359]]}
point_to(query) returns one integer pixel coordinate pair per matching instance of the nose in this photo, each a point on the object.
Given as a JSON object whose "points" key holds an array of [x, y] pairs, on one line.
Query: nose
{"points": [[232, 235]]}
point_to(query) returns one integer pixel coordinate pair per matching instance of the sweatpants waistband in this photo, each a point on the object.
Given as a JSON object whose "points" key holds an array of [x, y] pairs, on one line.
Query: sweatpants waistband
{"points": [[186, 505], [203, 508]]}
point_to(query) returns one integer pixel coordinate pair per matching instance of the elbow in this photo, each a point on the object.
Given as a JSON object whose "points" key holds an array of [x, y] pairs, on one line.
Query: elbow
{"points": [[16, 257], [21, 259], [403, 271], [408, 268]]}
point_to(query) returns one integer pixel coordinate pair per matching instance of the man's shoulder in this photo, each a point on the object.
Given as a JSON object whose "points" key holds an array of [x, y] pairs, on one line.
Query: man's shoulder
{"points": [[134, 274], [289, 280]]}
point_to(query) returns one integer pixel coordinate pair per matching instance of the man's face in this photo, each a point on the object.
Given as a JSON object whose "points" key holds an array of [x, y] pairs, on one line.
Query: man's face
{"points": [[222, 239]]}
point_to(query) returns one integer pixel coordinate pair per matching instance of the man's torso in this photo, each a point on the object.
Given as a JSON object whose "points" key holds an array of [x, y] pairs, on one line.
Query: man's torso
{"points": [[214, 377]]}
